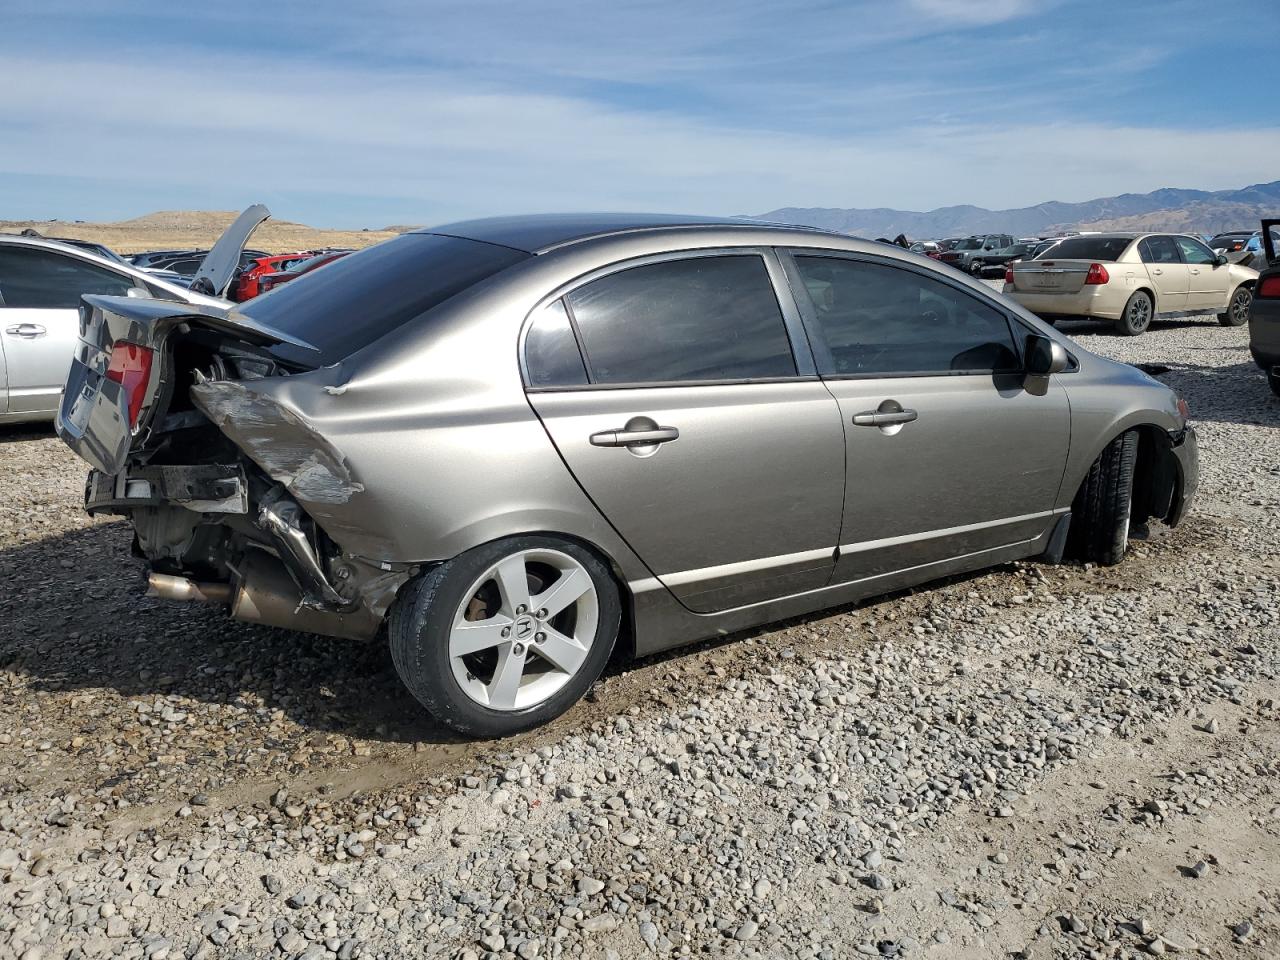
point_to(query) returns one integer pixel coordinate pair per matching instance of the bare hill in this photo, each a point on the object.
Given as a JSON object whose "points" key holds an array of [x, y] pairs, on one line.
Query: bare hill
{"points": [[197, 228]]}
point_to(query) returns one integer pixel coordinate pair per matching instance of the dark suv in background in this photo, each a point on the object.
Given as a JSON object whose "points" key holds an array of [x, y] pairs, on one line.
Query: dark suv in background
{"points": [[965, 253]]}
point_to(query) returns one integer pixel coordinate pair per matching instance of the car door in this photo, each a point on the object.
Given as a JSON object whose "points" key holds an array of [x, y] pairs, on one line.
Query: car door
{"points": [[947, 454], [1168, 273], [1206, 282], [40, 319], [694, 419]]}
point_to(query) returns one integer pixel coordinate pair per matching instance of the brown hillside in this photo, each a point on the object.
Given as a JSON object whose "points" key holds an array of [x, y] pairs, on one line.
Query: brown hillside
{"points": [[197, 228]]}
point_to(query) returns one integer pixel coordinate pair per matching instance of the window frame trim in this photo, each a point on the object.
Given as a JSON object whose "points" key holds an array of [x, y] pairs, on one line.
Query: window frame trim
{"points": [[822, 352], [797, 335]]}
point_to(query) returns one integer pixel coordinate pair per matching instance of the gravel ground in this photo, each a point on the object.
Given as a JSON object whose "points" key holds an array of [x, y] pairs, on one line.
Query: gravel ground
{"points": [[1033, 762]]}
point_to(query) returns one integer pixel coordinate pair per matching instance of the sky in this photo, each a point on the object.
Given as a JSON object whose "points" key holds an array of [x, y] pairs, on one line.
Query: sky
{"points": [[383, 112]]}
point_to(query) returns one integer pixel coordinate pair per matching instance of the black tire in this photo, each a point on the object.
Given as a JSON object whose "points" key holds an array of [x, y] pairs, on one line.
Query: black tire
{"points": [[1237, 314], [421, 619], [1101, 511], [976, 268], [1137, 315]]}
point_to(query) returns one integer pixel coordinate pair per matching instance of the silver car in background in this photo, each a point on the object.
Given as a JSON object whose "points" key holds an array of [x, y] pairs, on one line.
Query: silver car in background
{"points": [[41, 283], [517, 444]]}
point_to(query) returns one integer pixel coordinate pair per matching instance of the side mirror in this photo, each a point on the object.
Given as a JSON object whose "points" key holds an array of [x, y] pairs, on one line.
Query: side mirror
{"points": [[1045, 357], [1220, 260]]}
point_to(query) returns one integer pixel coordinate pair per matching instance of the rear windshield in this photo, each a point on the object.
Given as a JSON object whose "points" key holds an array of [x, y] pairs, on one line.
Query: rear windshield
{"points": [[364, 296], [1090, 248]]}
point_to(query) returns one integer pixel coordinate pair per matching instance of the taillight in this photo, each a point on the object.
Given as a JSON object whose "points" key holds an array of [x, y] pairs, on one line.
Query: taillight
{"points": [[1008, 275], [131, 368], [1097, 274], [1269, 288]]}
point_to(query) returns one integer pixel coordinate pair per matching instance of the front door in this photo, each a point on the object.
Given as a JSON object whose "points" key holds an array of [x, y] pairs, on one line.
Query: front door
{"points": [[1168, 273], [948, 454], [40, 291], [1207, 282], [714, 453]]}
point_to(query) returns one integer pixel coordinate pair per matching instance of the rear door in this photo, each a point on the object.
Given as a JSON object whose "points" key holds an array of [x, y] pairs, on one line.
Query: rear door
{"points": [[39, 319], [1206, 281], [1168, 273], [694, 419], [973, 462]]}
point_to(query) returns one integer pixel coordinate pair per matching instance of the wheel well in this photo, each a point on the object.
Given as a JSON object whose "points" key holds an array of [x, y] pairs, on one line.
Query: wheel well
{"points": [[1154, 474], [626, 643], [1152, 294]]}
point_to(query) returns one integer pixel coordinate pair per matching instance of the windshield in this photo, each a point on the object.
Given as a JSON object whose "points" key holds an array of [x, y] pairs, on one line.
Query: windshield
{"points": [[972, 243], [1091, 248], [362, 297]]}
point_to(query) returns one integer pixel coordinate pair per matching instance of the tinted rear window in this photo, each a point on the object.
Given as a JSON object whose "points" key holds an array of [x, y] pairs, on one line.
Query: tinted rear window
{"points": [[1090, 248], [362, 297]]}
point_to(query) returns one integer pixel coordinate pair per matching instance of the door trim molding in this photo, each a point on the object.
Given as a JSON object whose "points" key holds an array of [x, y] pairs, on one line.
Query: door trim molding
{"points": [[868, 545]]}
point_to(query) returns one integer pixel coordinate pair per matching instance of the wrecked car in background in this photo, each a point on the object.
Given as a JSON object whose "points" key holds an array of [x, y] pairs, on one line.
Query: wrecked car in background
{"points": [[1264, 310], [520, 442]]}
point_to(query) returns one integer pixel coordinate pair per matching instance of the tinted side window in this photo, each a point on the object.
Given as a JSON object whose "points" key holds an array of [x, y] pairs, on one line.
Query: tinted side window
{"points": [[551, 355], [701, 318], [882, 320], [39, 278], [1193, 251], [1159, 250]]}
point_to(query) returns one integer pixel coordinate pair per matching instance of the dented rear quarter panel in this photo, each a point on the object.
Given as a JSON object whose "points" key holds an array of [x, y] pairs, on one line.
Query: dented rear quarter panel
{"points": [[420, 446]]}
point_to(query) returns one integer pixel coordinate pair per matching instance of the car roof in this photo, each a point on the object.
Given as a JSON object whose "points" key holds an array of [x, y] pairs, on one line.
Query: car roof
{"points": [[538, 233]]}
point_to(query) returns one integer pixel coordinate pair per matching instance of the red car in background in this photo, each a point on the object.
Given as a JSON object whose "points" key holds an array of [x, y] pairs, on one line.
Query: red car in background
{"points": [[247, 285], [272, 280]]}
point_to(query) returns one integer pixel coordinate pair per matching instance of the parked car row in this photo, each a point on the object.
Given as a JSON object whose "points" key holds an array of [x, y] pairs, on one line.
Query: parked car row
{"points": [[1131, 279]]}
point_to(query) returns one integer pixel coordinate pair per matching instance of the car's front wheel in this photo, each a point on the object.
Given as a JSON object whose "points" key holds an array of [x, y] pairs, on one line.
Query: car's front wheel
{"points": [[1100, 514], [1137, 315], [507, 635], [1237, 314]]}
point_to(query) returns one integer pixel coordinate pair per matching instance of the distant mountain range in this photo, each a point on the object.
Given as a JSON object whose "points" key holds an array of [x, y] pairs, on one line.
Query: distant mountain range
{"points": [[1200, 211]]}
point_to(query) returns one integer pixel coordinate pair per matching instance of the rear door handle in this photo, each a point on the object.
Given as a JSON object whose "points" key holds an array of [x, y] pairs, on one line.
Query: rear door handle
{"points": [[28, 331], [1157, 271], [1195, 271], [625, 438], [877, 418]]}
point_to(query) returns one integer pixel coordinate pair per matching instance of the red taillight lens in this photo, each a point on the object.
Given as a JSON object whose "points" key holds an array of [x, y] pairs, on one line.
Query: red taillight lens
{"points": [[131, 368], [1008, 275], [1097, 274], [1268, 289]]}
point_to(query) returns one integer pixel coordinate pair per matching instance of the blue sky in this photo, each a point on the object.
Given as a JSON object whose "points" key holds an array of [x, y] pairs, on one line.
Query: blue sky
{"points": [[365, 114]]}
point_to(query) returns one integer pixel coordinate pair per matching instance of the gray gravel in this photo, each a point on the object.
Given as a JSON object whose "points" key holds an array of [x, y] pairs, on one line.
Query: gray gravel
{"points": [[1037, 761]]}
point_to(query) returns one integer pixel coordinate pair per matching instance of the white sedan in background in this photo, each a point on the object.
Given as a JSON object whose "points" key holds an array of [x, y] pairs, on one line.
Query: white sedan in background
{"points": [[1130, 279]]}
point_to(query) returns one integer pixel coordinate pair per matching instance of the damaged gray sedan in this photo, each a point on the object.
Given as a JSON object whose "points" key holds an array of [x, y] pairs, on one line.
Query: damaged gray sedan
{"points": [[513, 446]]}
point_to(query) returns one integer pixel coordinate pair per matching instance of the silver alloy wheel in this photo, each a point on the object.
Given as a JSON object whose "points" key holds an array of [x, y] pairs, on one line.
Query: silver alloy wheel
{"points": [[1240, 306], [524, 629], [1140, 313]]}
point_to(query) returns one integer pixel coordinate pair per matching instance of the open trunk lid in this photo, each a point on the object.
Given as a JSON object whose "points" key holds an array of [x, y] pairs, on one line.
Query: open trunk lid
{"points": [[1050, 276], [122, 372]]}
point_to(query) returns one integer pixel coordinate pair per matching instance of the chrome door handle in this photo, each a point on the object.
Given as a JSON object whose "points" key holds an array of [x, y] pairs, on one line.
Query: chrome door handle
{"points": [[877, 418], [28, 331], [1196, 272], [1157, 271], [625, 438]]}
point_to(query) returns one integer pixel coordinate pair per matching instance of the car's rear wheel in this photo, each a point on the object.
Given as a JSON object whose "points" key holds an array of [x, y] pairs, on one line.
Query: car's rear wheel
{"points": [[506, 636], [1237, 314], [1137, 315], [1100, 514]]}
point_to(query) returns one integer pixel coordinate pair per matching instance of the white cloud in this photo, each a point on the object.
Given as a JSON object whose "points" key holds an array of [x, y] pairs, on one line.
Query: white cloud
{"points": [[976, 12], [446, 149]]}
